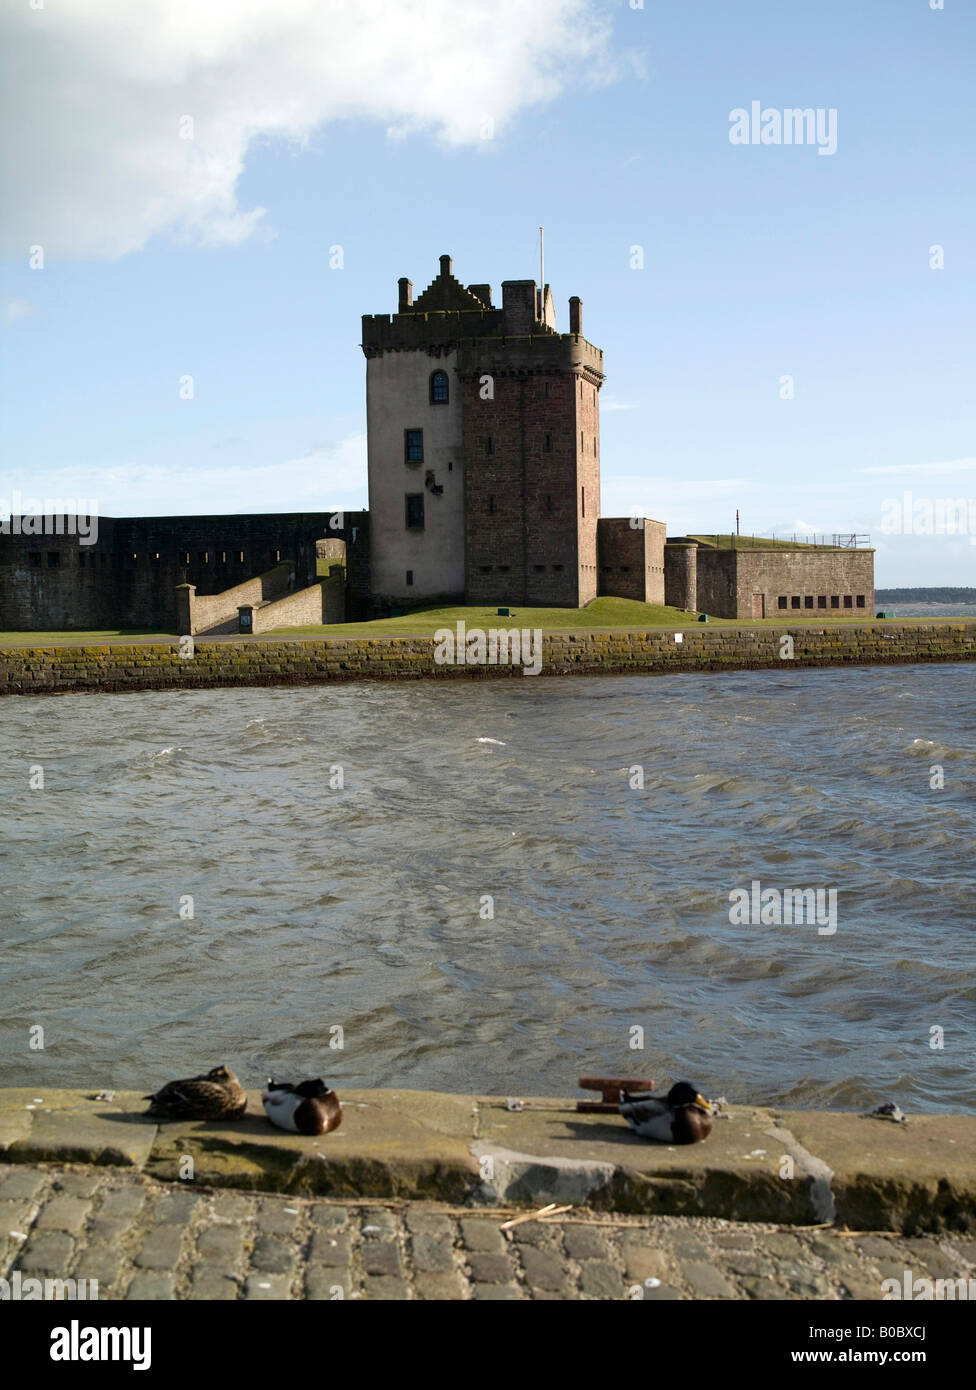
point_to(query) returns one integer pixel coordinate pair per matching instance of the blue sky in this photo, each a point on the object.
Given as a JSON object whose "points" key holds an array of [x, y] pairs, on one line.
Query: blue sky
{"points": [[364, 127]]}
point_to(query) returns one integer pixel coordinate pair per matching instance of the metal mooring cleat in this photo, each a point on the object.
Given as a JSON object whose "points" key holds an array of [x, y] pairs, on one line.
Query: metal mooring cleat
{"points": [[610, 1087]]}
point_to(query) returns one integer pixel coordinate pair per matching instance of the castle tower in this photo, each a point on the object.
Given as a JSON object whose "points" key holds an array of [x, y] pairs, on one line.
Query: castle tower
{"points": [[483, 448]]}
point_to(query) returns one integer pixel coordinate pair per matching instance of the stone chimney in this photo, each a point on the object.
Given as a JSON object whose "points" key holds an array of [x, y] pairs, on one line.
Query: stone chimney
{"points": [[445, 266], [576, 315], [406, 294], [482, 292], [520, 306]]}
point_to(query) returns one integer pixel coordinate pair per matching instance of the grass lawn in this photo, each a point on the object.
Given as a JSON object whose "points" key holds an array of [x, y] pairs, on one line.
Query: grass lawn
{"points": [[723, 541], [601, 614], [40, 639]]}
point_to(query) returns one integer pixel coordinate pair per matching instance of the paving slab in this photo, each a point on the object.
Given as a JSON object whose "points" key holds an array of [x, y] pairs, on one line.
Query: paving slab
{"points": [[69, 1127], [914, 1177], [397, 1143], [548, 1152], [797, 1168]]}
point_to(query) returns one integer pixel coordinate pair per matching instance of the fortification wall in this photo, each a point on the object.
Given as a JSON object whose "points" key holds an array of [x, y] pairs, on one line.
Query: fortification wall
{"points": [[218, 612], [128, 578], [631, 558], [717, 585], [681, 575], [154, 666], [319, 603], [822, 580]]}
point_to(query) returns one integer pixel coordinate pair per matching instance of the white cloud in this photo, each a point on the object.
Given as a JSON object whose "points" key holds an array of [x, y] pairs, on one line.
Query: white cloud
{"points": [[327, 476], [94, 93], [666, 499], [611, 403], [16, 309], [954, 466]]}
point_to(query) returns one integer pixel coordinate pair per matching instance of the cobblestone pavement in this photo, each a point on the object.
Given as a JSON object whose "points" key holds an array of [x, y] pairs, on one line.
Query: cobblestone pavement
{"points": [[146, 1240]]}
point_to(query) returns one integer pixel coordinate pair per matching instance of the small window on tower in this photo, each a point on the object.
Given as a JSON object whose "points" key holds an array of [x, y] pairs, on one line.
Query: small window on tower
{"points": [[489, 446], [415, 510], [439, 388], [547, 443], [409, 576], [413, 446], [491, 508]]}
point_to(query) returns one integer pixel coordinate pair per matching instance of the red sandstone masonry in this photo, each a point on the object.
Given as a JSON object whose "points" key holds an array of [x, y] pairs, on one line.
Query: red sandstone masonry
{"points": [[62, 670]]}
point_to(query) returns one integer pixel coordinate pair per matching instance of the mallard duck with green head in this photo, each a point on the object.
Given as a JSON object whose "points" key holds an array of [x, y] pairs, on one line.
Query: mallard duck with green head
{"points": [[683, 1117], [216, 1096]]}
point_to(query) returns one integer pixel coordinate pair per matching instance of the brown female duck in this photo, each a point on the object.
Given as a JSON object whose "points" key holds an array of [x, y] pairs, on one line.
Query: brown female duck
{"points": [[217, 1096]]}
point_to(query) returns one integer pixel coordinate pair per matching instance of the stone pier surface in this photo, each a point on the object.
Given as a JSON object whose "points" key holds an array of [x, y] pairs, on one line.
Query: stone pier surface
{"points": [[786, 1167]]}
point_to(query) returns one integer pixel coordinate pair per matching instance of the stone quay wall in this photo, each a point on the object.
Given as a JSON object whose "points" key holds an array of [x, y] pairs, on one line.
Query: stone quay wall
{"points": [[282, 661]]}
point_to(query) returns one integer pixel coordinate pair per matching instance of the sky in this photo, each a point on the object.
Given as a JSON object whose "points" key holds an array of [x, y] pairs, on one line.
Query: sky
{"points": [[202, 197]]}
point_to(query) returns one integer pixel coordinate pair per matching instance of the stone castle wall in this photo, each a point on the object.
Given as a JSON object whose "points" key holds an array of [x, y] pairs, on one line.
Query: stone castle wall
{"points": [[155, 666], [128, 578], [631, 558], [822, 580], [681, 575]]}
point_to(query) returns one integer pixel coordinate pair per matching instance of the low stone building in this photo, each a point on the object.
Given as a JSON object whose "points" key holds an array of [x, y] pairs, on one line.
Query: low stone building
{"points": [[631, 558], [753, 581]]}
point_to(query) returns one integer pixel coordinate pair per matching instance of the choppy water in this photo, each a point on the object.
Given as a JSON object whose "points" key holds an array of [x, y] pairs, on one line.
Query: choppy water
{"points": [[360, 907], [930, 610]]}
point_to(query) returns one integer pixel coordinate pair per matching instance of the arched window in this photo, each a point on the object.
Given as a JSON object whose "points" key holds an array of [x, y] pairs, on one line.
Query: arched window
{"points": [[439, 388]]}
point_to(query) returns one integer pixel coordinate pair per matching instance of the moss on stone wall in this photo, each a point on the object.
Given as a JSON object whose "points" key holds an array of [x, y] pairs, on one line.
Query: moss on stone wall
{"points": [[145, 666]]}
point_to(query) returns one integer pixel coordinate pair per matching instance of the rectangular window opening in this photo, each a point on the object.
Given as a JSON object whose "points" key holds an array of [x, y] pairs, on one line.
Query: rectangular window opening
{"points": [[415, 510], [413, 446]]}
